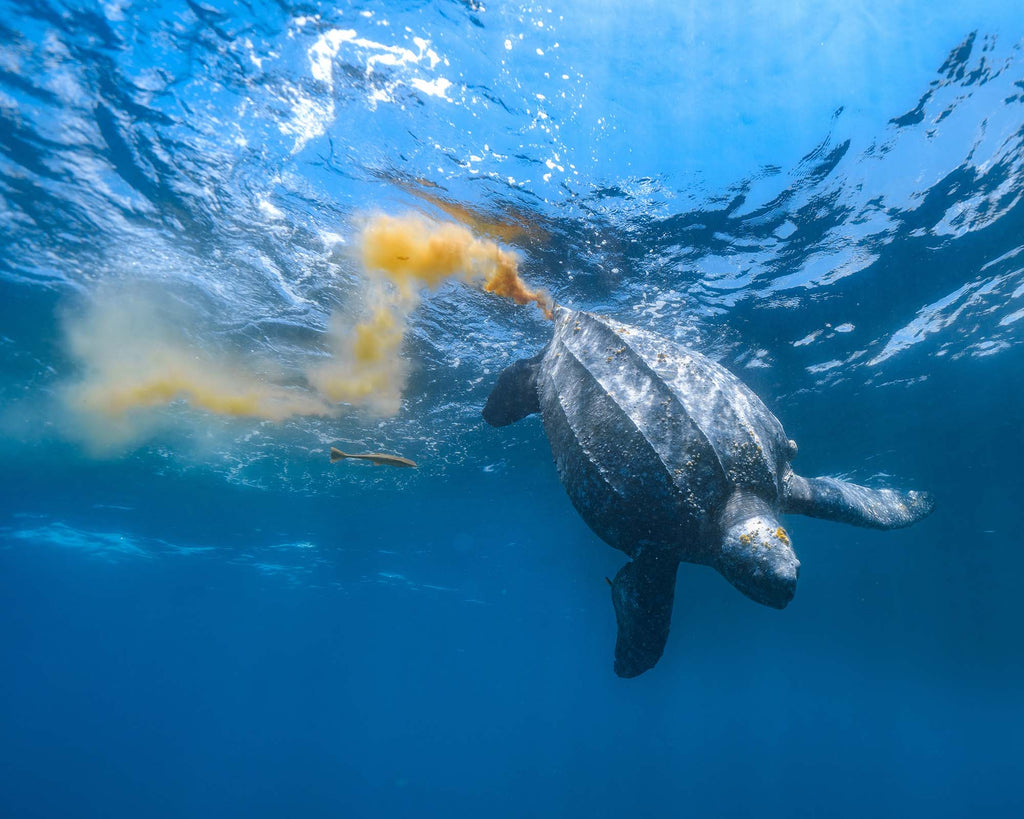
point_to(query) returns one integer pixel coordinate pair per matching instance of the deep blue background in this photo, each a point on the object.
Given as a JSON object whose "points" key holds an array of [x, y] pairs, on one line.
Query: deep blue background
{"points": [[176, 641], [186, 685]]}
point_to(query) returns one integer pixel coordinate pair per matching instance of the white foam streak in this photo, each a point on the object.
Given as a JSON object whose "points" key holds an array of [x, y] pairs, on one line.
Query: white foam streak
{"points": [[935, 317], [311, 115]]}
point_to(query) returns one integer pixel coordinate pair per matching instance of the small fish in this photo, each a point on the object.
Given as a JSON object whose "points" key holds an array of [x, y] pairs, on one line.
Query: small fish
{"points": [[376, 458]]}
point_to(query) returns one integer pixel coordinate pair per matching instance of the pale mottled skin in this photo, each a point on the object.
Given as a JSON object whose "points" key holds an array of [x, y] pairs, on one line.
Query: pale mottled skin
{"points": [[670, 458]]}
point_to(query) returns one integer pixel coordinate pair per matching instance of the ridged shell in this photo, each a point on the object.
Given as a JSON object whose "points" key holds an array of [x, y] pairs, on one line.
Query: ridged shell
{"points": [[649, 437]]}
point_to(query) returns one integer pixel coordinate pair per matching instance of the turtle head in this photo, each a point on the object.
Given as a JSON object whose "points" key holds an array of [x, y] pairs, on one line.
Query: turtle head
{"points": [[755, 553]]}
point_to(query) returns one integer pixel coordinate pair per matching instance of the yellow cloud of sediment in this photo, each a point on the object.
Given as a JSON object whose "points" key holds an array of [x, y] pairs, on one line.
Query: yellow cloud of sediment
{"points": [[133, 358], [411, 251], [366, 368]]}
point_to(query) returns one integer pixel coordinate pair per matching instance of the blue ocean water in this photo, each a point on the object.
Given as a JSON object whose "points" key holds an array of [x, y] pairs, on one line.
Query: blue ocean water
{"points": [[204, 617]]}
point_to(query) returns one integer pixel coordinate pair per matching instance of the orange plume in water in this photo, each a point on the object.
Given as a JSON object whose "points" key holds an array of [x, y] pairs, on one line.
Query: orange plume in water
{"points": [[410, 250], [134, 356], [204, 389], [511, 227], [401, 255], [366, 367], [505, 281]]}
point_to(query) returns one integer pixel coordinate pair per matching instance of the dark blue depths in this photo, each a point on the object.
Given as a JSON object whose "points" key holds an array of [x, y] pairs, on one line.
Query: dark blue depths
{"points": [[179, 641], [194, 686]]}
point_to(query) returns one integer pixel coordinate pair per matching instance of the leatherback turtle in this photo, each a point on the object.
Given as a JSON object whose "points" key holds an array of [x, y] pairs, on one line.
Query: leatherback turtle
{"points": [[670, 458]]}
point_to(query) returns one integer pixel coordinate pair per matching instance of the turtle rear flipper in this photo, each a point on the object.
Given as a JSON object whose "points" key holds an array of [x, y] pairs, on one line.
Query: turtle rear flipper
{"points": [[643, 592], [833, 499], [515, 395]]}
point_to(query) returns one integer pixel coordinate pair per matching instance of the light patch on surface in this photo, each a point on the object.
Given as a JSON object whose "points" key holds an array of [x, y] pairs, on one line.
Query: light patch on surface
{"points": [[106, 545], [825, 366], [1003, 258], [109, 544], [934, 317], [309, 121], [986, 348], [270, 210], [398, 580], [322, 53], [291, 561], [759, 360], [434, 88], [1015, 316], [114, 10], [311, 115]]}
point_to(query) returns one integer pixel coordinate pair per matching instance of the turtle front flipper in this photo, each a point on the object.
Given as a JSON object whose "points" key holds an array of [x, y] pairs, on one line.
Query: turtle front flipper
{"points": [[643, 592], [833, 499], [515, 395], [755, 553]]}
